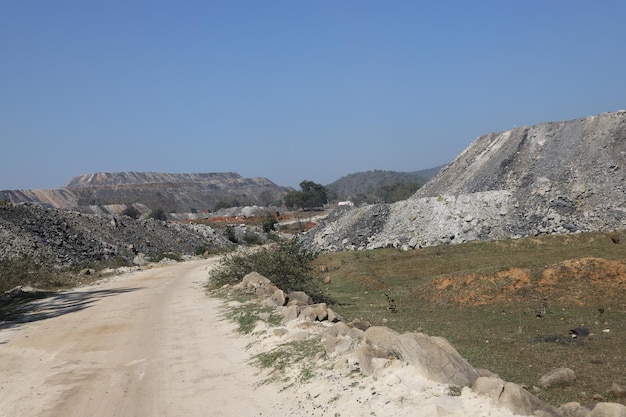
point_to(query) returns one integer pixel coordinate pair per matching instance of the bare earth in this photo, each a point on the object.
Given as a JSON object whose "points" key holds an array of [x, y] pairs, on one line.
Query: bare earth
{"points": [[150, 343]]}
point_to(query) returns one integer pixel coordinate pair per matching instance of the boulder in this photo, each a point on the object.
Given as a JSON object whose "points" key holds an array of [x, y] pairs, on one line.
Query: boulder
{"points": [[608, 410], [255, 283], [360, 324], [489, 386], [574, 409], [365, 354], [290, 313], [520, 401], [300, 296], [344, 345], [315, 312], [559, 376], [380, 336], [435, 357], [342, 328], [330, 342], [332, 316], [355, 333], [618, 390], [279, 298]]}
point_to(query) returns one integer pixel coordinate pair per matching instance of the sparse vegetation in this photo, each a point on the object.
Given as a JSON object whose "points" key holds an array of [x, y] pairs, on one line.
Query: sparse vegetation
{"points": [[287, 264], [485, 298], [38, 272], [289, 355], [158, 214], [175, 256], [131, 212]]}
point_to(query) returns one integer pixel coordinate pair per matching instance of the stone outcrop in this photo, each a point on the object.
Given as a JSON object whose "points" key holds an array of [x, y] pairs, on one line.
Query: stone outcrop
{"points": [[561, 177], [112, 192]]}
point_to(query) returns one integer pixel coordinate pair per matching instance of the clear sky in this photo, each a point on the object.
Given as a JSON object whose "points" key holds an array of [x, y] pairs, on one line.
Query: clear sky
{"points": [[290, 90]]}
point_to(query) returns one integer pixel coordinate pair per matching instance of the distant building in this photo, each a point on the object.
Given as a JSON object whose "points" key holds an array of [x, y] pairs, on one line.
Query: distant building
{"points": [[345, 203]]}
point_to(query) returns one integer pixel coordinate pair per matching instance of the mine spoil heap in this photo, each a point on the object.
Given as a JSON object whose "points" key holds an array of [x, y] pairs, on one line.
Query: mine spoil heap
{"points": [[551, 178], [71, 238]]}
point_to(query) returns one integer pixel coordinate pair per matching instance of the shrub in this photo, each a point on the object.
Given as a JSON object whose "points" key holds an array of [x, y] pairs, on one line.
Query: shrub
{"points": [[252, 239], [131, 212], [286, 264], [158, 214], [230, 234], [268, 222]]}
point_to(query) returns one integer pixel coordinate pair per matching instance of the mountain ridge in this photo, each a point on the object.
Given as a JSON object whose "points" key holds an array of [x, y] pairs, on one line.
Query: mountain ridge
{"points": [[112, 192]]}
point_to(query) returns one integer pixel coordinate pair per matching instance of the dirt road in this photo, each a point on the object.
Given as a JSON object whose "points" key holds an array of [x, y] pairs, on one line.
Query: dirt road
{"points": [[150, 343]]}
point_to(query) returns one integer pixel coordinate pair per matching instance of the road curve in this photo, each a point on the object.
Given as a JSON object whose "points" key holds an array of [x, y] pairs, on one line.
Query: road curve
{"points": [[150, 343]]}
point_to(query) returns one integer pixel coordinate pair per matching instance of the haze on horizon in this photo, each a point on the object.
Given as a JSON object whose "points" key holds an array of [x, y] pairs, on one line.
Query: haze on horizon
{"points": [[289, 90]]}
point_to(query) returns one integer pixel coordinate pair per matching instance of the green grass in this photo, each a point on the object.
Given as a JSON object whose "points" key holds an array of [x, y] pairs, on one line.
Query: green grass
{"points": [[501, 332], [244, 311], [288, 355]]}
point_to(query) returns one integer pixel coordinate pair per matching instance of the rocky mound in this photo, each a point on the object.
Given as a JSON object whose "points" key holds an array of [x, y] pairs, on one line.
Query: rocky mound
{"points": [[71, 238], [560, 177]]}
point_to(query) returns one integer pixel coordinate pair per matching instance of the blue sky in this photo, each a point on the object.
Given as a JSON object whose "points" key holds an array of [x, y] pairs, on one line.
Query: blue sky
{"points": [[289, 90]]}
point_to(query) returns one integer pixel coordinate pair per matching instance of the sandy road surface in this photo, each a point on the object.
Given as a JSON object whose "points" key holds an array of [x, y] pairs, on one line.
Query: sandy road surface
{"points": [[150, 343]]}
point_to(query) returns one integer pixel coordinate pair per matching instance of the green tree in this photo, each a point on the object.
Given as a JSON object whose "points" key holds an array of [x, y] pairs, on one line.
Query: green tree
{"points": [[311, 195]]}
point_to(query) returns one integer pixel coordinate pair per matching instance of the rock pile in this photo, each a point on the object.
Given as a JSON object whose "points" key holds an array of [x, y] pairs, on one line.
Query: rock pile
{"points": [[562, 177], [72, 238], [410, 372]]}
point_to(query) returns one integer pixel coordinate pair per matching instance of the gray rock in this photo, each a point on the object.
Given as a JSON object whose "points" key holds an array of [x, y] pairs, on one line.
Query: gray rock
{"points": [[435, 357], [279, 298], [299, 296], [574, 409], [360, 324], [290, 313], [255, 283], [342, 328], [608, 410], [380, 336], [315, 312], [364, 356], [330, 343], [520, 401], [355, 333], [344, 345], [618, 390], [559, 376]]}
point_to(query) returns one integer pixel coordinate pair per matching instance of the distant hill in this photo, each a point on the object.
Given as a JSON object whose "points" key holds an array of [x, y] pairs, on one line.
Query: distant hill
{"points": [[112, 192], [361, 185]]}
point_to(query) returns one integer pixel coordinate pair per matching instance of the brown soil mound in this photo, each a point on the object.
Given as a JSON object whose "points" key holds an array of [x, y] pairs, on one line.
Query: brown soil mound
{"points": [[584, 281]]}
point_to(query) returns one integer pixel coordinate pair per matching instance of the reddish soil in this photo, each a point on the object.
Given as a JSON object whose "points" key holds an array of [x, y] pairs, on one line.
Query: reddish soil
{"points": [[584, 281]]}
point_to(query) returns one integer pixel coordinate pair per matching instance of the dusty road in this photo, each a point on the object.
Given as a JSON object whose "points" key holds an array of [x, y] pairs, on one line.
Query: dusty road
{"points": [[150, 343]]}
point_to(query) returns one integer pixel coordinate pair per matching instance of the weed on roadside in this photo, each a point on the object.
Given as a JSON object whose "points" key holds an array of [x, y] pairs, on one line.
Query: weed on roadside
{"points": [[298, 355]]}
